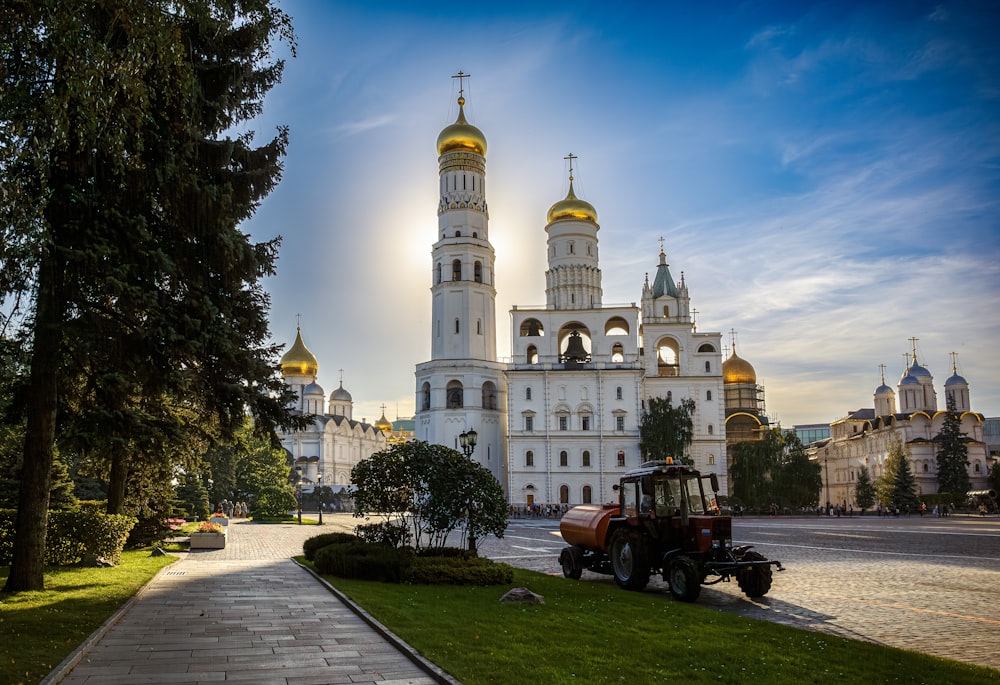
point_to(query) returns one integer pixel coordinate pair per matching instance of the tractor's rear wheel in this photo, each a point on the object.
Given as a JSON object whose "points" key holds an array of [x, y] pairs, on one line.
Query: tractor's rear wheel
{"points": [[569, 569], [755, 581], [629, 559], [683, 579]]}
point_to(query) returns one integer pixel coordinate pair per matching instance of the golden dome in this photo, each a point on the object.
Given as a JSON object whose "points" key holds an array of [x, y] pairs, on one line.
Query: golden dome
{"points": [[461, 135], [299, 361], [384, 424], [572, 208], [738, 370]]}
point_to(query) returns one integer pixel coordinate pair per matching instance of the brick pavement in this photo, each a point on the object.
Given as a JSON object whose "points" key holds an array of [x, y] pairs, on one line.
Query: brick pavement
{"points": [[247, 613]]}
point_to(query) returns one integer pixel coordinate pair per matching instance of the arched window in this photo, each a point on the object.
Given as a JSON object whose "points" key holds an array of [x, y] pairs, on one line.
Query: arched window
{"points": [[564, 458], [586, 458], [527, 393], [616, 325], [529, 458], [478, 272], [456, 326], [437, 275], [564, 494], [587, 497], [531, 328], [708, 394], [617, 353], [618, 393], [706, 347], [925, 468], [711, 460], [708, 367], [489, 395], [455, 394], [425, 396], [976, 467], [711, 429], [668, 357], [456, 270], [479, 326], [532, 356]]}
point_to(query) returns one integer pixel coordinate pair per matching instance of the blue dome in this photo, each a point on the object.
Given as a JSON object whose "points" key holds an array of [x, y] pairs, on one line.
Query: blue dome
{"points": [[955, 380], [917, 370], [313, 389], [341, 395], [883, 390], [909, 380]]}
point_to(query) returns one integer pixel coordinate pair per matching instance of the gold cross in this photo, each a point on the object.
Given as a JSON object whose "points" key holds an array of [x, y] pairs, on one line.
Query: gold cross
{"points": [[461, 76], [571, 157]]}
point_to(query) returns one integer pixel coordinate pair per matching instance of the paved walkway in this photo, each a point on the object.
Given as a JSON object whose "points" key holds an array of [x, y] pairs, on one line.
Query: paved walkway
{"points": [[245, 613]]}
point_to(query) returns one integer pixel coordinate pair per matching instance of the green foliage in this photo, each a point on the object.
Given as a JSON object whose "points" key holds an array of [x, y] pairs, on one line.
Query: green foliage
{"points": [[458, 570], [897, 487], [310, 546], [363, 560], [798, 479], [864, 489], [192, 497], [260, 475], [994, 476], [775, 470], [432, 488], [667, 431], [73, 534], [392, 533], [953, 455]]}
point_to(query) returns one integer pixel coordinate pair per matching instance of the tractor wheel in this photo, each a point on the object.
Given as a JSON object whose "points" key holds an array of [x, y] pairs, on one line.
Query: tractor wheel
{"points": [[629, 559], [755, 581], [683, 579], [568, 568]]}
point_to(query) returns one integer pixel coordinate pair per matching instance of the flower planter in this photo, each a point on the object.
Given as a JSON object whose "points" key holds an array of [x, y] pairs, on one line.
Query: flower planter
{"points": [[208, 541]]}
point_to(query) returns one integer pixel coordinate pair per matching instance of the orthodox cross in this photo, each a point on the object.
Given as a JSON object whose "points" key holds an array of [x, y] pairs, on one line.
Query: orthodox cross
{"points": [[661, 243], [341, 376], [914, 341], [571, 157], [954, 361], [882, 368], [461, 76], [907, 355], [694, 318], [732, 335], [298, 321]]}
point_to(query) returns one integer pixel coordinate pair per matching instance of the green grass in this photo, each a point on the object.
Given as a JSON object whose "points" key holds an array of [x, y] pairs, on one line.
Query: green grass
{"points": [[592, 632], [40, 629]]}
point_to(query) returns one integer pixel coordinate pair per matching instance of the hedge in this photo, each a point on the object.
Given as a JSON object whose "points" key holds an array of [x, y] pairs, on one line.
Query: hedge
{"points": [[363, 560], [317, 542], [435, 566], [458, 570], [71, 535]]}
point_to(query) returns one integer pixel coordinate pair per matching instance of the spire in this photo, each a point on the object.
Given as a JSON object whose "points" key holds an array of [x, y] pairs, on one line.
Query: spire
{"points": [[664, 284]]}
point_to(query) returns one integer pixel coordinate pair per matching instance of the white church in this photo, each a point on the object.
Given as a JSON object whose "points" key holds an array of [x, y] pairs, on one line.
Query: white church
{"points": [[558, 424]]}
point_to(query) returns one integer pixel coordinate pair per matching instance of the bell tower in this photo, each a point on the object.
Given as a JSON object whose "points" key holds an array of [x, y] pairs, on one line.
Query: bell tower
{"points": [[462, 387]]}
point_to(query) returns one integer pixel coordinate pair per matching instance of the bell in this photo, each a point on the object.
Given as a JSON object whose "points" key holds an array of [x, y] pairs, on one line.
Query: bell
{"points": [[575, 354]]}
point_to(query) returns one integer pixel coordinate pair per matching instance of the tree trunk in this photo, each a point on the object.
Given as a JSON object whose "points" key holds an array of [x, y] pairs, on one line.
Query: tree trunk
{"points": [[27, 565], [116, 480]]}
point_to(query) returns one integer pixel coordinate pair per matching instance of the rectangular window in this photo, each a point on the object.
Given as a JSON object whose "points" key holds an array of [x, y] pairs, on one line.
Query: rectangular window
{"points": [[529, 458], [529, 423], [585, 423], [619, 423], [563, 423], [586, 458], [621, 457]]}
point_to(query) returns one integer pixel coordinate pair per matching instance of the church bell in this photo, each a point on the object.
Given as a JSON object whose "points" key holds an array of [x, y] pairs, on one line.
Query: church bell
{"points": [[575, 354]]}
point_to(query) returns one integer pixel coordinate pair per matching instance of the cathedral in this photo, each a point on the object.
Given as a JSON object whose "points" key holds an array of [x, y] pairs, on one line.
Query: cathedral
{"points": [[863, 437], [559, 423], [326, 451]]}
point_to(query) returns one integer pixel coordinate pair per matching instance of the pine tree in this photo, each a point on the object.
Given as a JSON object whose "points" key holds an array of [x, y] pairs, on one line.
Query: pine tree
{"points": [[864, 489], [953, 455]]}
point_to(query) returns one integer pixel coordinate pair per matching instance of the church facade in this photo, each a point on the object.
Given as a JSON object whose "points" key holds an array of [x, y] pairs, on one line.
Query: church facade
{"points": [[559, 423]]}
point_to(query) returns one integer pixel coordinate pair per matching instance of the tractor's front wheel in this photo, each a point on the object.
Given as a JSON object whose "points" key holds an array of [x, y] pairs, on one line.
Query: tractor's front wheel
{"points": [[755, 581], [683, 579], [629, 559]]}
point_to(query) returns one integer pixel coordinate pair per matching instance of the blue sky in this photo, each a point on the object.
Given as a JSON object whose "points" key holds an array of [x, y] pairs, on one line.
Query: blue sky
{"points": [[826, 175]]}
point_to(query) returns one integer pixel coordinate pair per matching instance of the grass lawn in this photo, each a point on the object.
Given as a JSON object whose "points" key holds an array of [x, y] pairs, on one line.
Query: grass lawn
{"points": [[589, 632], [40, 629]]}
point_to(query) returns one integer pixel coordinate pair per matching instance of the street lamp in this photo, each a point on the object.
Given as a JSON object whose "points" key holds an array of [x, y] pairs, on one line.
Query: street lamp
{"points": [[826, 464], [298, 492], [467, 439], [319, 480]]}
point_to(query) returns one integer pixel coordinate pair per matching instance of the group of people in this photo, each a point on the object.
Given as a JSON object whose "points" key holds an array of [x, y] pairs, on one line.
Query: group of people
{"points": [[236, 510], [538, 511]]}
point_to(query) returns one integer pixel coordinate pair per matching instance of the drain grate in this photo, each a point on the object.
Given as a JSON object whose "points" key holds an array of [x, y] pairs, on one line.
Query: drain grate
{"points": [[175, 573]]}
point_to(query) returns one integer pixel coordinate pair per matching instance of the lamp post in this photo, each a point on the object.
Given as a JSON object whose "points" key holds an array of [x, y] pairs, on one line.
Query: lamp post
{"points": [[467, 439], [298, 492], [319, 479], [826, 465]]}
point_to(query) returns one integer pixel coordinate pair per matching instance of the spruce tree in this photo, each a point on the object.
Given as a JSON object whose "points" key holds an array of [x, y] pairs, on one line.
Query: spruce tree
{"points": [[953, 455], [864, 489], [904, 487]]}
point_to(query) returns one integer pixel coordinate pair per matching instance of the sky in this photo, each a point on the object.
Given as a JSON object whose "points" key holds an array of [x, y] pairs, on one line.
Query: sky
{"points": [[825, 175]]}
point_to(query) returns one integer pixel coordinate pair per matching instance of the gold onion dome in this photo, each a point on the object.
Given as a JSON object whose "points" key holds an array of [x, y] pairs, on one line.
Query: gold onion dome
{"points": [[384, 424], [738, 370], [572, 207], [299, 361], [461, 135]]}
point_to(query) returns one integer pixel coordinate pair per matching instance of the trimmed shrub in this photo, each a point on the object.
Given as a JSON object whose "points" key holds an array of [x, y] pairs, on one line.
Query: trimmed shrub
{"points": [[363, 561], [73, 534], [392, 533], [458, 570], [317, 542]]}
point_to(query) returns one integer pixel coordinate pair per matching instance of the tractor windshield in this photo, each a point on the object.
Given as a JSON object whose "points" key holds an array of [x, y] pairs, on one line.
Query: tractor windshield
{"points": [[669, 497], [696, 503]]}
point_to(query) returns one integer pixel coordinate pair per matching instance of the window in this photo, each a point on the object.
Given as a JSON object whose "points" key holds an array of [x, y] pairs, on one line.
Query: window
{"points": [[563, 494], [479, 326], [617, 353], [456, 270], [563, 423], [619, 423], [708, 367], [977, 467], [425, 396], [925, 468], [456, 326], [618, 393], [585, 461], [564, 458], [478, 272], [708, 395], [587, 497], [437, 275], [571, 247], [711, 460], [529, 458], [455, 395], [621, 457], [585, 423], [711, 429], [532, 355], [529, 423], [706, 347], [527, 393]]}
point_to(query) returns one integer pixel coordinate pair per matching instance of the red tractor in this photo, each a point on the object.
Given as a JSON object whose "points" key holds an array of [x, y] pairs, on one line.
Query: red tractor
{"points": [[663, 524]]}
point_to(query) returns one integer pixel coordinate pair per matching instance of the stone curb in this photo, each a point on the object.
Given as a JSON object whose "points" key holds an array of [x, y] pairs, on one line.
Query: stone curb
{"points": [[409, 652], [70, 662]]}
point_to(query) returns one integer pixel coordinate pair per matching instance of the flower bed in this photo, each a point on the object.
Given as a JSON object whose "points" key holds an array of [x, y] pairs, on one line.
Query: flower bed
{"points": [[208, 536]]}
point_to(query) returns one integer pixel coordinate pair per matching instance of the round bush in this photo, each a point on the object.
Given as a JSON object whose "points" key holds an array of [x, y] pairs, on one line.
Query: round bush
{"points": [[317, 542]]}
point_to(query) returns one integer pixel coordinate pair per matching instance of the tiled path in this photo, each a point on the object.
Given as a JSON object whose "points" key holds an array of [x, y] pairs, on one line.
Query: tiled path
{"points": [[246, 613]]}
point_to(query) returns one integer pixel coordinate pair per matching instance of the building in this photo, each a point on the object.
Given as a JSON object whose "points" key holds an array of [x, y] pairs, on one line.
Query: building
{"points": [[328, 449], [560, 423], [746, 417], [863, 437]]}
